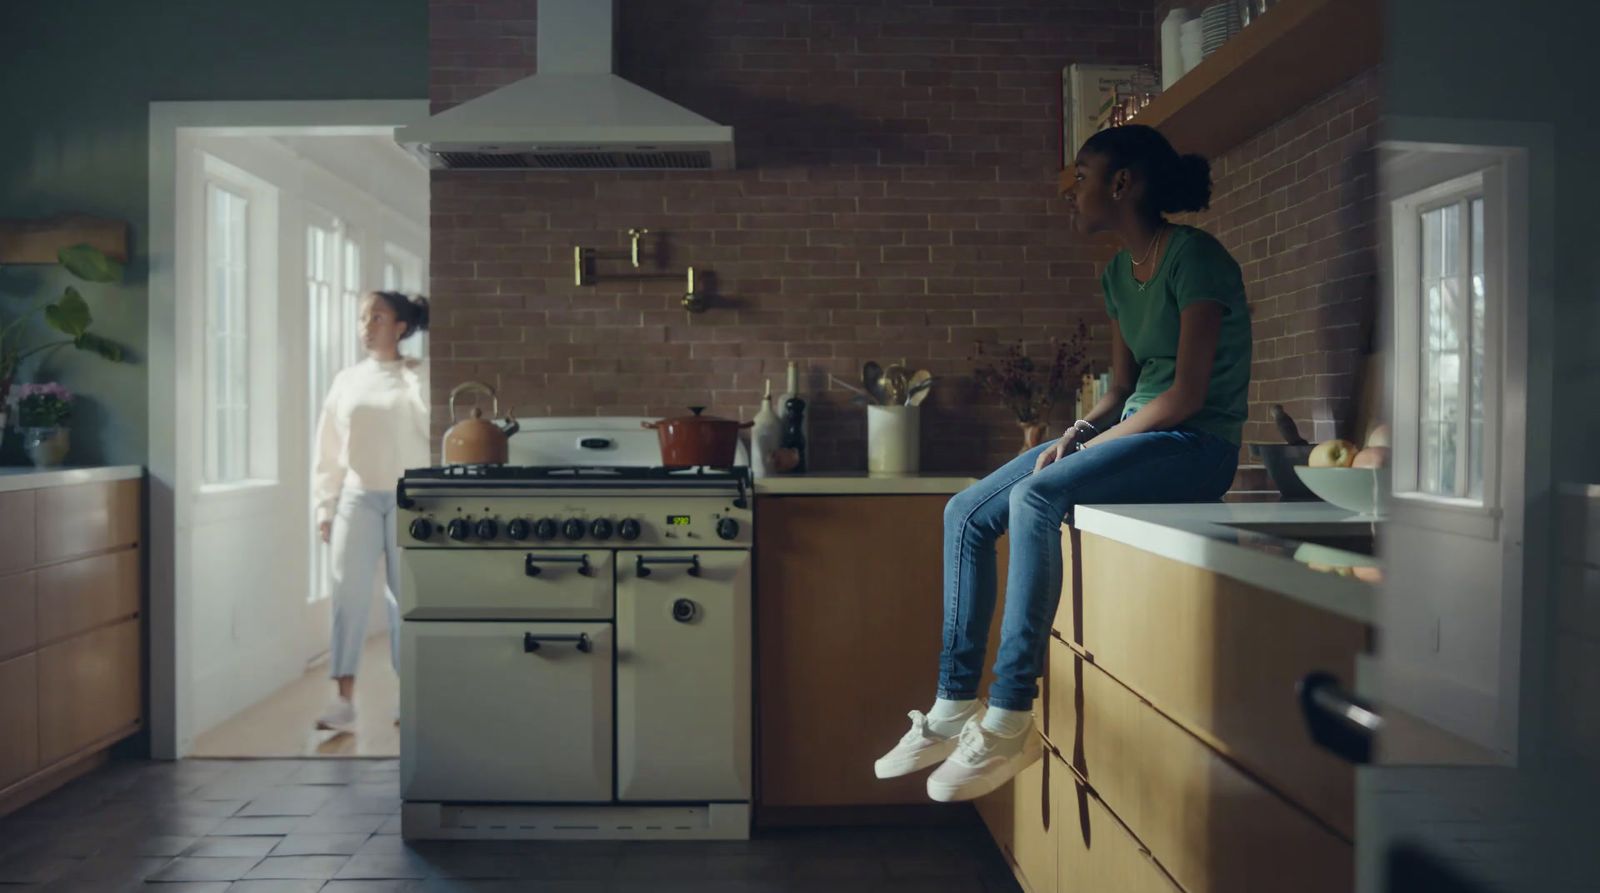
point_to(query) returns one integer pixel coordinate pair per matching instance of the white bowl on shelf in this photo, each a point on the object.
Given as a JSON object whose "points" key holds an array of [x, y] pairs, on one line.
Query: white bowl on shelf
{"points": [[1364, 491]]}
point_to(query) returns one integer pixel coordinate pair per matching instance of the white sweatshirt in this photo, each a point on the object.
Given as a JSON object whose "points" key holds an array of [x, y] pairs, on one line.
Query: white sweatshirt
{"points": [[374, 425]]}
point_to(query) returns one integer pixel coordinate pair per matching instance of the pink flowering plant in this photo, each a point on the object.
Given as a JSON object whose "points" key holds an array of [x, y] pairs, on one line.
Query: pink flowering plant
{"points": [[43, 405], [1029, 388]]}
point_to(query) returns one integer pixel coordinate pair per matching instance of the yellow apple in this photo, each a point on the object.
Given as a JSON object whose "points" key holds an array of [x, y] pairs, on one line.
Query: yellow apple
{"points": [[1335, 453]]}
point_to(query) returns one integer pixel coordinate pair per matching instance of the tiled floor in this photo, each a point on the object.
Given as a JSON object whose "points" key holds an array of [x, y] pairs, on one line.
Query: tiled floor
{"points": [[287, 826]]}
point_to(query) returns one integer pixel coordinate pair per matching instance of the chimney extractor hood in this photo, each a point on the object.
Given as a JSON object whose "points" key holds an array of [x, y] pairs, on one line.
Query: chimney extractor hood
{"points": [[575, 114]]}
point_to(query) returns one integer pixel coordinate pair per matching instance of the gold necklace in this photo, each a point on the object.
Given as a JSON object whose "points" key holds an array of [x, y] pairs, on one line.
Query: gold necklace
{"points": [[1160, 230]]}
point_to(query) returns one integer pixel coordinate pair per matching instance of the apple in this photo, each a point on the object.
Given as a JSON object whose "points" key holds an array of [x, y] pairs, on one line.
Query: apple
{"points": [[1371, 457], [1335, 453], [1379, 436]]}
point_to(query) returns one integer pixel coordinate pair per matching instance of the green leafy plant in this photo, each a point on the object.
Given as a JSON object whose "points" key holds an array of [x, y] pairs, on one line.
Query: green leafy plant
{"points": [[68, 314], [43, 405]]}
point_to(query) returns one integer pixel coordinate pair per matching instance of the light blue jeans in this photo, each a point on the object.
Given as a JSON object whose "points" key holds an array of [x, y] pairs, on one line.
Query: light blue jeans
{"points": [[1183, 465], [363, 534]]}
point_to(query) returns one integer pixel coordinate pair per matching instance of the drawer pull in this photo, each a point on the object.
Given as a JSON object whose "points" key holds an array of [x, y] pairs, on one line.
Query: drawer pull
{"points": [[1337, 720], [532, 643], [530, 564], [642, 564]]}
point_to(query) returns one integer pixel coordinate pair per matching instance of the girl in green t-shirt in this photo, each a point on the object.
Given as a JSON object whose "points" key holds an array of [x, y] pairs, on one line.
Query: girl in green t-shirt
{"points": [[1168, 430]]}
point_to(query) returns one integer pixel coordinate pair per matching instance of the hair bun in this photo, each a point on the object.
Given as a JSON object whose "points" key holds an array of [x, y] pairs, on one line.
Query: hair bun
{"points": [[420, 303], [1190, 188]]}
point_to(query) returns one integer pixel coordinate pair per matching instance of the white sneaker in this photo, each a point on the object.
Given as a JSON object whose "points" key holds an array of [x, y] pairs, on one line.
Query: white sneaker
{"points": [[918, 749], [339, 717], [982, 762]]}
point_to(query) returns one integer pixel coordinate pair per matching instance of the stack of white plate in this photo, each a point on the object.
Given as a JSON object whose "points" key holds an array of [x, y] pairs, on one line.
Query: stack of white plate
{"points": [[1218, 22]]}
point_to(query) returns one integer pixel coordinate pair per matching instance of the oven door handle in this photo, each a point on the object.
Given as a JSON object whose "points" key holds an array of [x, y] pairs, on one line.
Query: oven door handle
{"points": [[532, 643], [641, 564], [531, 562]]}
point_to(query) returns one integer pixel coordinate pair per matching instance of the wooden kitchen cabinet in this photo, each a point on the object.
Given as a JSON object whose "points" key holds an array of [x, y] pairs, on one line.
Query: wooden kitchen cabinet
{"points": [[848, 618], [1021, 818], [71, 631], [1096, 854]]}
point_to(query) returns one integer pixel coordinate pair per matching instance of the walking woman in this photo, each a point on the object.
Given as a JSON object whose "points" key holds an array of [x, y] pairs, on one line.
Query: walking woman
{"points": [[1168, 430], [374, 426]]}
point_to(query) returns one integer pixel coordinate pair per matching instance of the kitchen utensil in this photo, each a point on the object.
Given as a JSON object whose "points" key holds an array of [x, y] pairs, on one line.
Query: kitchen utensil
{"points": [[1280, 460], [918, 392], [1364, 491], [872, 380], [476, 440], [855, 389], [896, 381], [1286, 426], [687, 441]]}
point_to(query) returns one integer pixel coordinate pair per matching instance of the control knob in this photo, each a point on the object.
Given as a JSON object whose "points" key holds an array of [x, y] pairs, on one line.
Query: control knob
{"points": [[628, 529], [421, 529], [457, 529], [572, 529], [545, 528], [518, 529], [487, 529], [728, 528], [600, 529]]}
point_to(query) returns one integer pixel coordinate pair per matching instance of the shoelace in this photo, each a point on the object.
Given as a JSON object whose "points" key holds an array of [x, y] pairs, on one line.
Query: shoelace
{"points": [[919, 728], [973, 743]]}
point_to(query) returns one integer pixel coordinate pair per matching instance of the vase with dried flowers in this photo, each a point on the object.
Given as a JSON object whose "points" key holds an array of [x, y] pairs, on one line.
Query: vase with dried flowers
{"points": [[1030, 389], [43, 411]]}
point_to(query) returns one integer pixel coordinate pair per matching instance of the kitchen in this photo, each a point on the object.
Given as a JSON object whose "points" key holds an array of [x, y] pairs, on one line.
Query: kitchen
{"points": [[895, 200]]}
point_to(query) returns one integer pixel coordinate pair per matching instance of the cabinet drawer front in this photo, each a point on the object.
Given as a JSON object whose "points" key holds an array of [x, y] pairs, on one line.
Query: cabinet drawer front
{"points": [[85, 518], [80, 595], [484, 719], [17, 527], [19, 718], [1021, 818], [483, 584], [1223, 659], [1096, 854], [1097, 730], [18, 614], [88, 689]]}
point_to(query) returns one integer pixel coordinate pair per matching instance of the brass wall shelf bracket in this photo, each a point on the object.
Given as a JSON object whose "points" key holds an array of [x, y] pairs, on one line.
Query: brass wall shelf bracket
{"points": [[586, 263]]}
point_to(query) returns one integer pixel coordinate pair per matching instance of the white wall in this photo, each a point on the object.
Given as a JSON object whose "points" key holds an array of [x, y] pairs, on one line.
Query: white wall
{"points": [[253, 628]]}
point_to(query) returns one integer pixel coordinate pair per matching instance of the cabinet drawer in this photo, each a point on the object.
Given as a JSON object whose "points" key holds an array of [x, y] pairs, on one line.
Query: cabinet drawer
{"points": [[1021, 819], [16, 530], [88, 689], [1097, 730], [1222, 658], [80, 595], [85, 518], [1096, 854], [18, 614], [554, 584], [19, 718], [1069, 611]]}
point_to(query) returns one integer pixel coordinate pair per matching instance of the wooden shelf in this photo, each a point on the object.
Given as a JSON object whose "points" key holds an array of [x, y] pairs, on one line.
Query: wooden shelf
{"points": [[1295, 53], [37, 241]]}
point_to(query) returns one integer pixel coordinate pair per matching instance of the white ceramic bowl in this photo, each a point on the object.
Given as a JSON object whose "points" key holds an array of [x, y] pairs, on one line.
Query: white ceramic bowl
{"points": [[1364, 491]]}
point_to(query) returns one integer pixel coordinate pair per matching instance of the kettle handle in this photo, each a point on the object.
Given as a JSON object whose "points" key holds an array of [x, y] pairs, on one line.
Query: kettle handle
{"points": [[473, 386]]}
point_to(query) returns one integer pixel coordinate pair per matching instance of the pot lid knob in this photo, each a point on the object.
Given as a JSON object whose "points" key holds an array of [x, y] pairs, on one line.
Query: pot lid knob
{"points": [[697, 409]]}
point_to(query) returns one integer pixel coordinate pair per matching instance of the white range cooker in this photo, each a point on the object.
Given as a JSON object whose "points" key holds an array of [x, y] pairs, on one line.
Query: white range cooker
{"points": [[575, 642]]}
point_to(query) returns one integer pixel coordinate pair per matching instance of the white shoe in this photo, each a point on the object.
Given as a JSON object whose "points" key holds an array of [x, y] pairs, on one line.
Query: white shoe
{"points": [[982, 762], [339, 717], [918, 749]]}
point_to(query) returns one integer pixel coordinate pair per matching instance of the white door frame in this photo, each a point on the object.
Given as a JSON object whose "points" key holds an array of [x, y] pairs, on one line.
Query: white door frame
{"points": [[171, 598]]}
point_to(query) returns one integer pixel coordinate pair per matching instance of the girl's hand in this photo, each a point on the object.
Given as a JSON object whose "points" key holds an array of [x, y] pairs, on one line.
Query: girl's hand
{"points": [[325, 530], [1057, 450]]}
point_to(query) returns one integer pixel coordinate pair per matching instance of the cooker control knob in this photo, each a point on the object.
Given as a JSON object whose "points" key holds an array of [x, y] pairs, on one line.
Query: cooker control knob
{"points": [[572, 529], [457, 529], [487, 529], [728, 529], [629, 529], [600, 529], [545, 528], [421, 529], [518, 529]]}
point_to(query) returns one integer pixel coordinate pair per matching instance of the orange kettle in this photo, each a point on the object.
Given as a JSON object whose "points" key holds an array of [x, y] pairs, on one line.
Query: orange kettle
{"points": [[476, 440]]}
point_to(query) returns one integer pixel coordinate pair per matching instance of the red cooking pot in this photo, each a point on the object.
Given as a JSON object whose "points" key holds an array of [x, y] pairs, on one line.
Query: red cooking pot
{"points": [[692, 440]]}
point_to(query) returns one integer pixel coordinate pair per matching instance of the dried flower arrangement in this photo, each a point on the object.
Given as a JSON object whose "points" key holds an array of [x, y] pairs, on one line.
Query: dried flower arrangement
{"points": [[1027, 389]]}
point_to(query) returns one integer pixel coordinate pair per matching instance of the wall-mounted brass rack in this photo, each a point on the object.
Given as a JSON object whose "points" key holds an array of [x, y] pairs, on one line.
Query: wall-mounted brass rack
{"points": [[585, 264]]}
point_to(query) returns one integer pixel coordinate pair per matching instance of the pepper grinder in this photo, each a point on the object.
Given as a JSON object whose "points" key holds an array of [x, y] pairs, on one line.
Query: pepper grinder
{"points": [[794, 434]]}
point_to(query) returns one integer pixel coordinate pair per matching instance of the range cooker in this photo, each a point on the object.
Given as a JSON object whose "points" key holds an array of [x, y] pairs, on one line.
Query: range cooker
{"points": [[575, 642]]}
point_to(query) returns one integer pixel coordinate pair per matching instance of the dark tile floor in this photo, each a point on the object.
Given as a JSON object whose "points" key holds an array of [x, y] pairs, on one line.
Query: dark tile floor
{"points": [[300, 826]]}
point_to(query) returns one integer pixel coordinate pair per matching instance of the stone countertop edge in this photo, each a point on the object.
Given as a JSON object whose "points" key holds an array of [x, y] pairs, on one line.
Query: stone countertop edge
{"points": [[862, 484], [1193, 535], [19, 477]]}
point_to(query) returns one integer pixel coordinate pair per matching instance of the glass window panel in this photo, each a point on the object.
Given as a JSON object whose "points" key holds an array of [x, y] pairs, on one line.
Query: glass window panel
{"points": [[1432, 252]]}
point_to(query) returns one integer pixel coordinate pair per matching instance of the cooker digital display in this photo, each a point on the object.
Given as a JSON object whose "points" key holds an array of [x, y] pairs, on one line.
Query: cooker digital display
{"points": [[677, 520]]}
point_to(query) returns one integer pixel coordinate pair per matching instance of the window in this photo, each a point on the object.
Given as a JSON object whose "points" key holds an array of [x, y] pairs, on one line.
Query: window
{"points": [[227, 327]]}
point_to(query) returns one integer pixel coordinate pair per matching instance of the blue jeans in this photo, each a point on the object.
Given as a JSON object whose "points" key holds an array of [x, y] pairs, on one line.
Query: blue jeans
{"points": [[363, 536], [1183, 465]]}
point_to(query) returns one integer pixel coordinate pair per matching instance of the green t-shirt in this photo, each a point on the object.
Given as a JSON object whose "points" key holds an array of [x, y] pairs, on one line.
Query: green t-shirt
{"points": [[1195, 268]]}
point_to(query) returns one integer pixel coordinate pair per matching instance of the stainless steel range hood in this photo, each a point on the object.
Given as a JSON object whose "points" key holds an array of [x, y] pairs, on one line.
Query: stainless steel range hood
{"points": [[575, 114]]}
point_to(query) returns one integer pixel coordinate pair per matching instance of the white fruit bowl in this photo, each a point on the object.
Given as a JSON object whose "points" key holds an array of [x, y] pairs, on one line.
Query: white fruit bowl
{"points": [[1364, 491]]}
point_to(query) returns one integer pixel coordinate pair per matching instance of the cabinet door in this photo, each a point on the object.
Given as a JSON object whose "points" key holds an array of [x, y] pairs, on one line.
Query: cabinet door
{"points": [[18, 614], [88, 689], [485, 719], [1021, 818], [684, 715], [17, 530], [19, 718], [79, 595], [85, 518]]}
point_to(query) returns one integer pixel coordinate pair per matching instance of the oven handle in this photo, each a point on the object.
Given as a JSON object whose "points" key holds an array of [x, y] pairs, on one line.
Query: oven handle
{"points": [[532, 643], [642, 564], [530, 564]]}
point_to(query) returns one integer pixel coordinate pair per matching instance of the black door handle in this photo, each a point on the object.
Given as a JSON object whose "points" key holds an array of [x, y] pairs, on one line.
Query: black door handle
{"points": [[532, 643], [1338, 721], [641, 564], [530, 564]]}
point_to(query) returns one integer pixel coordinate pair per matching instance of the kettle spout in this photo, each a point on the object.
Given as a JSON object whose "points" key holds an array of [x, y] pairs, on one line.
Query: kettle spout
{"points": [[510, 425]]}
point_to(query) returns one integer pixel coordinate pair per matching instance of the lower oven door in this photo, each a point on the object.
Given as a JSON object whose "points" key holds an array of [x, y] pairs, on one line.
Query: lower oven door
{"points": [[506, 711], [683, 675]]}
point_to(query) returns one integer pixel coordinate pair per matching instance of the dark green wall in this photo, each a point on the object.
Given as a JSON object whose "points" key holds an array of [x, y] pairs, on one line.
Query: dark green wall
{"points": [[76, 81]]}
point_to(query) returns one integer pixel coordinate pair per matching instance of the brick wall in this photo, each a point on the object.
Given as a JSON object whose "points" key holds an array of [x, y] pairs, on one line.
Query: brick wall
{"points": [[894, 199]]}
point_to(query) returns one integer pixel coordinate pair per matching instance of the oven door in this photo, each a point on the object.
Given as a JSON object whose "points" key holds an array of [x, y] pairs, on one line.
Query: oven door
{"points": [[505, 584], [506, 711], [683, 675]]}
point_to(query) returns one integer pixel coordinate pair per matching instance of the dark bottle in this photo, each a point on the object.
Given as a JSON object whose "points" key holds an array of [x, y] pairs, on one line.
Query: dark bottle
{"points": [[794, 428]]}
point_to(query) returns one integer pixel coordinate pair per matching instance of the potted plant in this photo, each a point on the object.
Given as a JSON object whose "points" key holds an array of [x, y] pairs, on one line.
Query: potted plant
{"points": [[1029, 389], [67, 313], [43, 411]]}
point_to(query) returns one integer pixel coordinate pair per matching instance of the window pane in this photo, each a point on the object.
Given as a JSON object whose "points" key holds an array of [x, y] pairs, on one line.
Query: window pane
{"points": [[226, 412], [1478, 347], [1442, 336]]}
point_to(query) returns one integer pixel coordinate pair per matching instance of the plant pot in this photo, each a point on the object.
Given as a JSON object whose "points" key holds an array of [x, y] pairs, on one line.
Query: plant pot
{"points": [[46, 447], [1032, 434]]}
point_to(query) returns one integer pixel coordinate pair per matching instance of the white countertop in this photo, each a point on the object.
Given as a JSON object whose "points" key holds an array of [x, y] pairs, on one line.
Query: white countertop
{"points": [[845, 483], [1196, 535], [23, 477]]}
